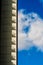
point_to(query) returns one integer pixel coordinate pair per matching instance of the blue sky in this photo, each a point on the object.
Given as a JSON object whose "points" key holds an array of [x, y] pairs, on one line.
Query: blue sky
{"points": [[30, 57], [30, 32], [31, 5]]}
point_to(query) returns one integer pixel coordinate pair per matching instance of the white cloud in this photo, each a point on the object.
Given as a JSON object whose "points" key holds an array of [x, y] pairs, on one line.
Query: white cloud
{"points": [[34, 37]]}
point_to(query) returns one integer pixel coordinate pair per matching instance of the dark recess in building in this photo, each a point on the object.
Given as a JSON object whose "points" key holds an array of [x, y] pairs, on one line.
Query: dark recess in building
{"points": [[5, 49]]}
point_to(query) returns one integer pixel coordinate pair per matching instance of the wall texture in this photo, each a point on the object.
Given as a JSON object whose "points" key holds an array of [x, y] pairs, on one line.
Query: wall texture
{"points": [[5, 50]]}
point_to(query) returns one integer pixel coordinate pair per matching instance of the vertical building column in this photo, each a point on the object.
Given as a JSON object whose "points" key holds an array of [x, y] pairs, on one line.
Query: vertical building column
{"points": [[13, 38]]}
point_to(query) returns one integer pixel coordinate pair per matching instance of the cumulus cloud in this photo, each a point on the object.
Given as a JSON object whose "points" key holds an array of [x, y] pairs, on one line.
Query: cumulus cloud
{"points": [[34, 35]]}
